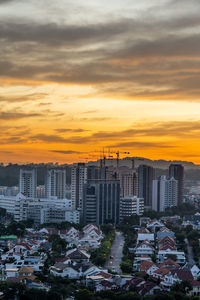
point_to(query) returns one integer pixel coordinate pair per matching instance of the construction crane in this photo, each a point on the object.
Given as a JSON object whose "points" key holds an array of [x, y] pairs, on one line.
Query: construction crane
{"points": [[106, 154], [118, 153]]}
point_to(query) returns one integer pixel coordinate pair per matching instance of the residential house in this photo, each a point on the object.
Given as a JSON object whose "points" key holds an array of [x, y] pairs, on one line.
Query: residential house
{"points": [[163, 232]]}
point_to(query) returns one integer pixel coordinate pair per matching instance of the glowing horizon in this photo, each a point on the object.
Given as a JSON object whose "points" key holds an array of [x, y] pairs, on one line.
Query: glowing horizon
{"points": [[77, 77]]}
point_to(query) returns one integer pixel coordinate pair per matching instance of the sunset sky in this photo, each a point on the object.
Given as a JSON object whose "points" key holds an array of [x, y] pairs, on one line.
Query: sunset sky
{"points": [[80, 75]]}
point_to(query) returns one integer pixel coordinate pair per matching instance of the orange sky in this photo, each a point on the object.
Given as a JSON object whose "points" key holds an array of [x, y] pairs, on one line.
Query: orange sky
{"points": [[76, 77]]}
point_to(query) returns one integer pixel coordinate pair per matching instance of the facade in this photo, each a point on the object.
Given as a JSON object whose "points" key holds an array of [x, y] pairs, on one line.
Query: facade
{"points": [[145, 180], [128, 180], [28, 182], [177, 171], [101, 202], [55, 182], [164, 193], [78, 179], [131, 206], [40, 210]]}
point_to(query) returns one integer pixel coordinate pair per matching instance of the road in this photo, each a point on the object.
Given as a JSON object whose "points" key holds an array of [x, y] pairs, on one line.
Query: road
{"points": [[191, 261], [116, 252]]}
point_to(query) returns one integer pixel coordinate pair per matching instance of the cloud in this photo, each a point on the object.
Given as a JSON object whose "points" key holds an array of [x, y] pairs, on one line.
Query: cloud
{"points": [[63, 130], [136, 144], [67, 152], [10, 115], [22, 98]]}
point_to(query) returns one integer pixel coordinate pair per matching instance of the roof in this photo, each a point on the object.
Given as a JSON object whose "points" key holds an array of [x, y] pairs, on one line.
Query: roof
{"points": [[183, 274], [144, 243], [26, 269], [146, 265], [169, 263], [167, 239], [143, 230], [104, 274], [195, 283], [8, 237], [161, 271], [77, 254], [164, 229]]}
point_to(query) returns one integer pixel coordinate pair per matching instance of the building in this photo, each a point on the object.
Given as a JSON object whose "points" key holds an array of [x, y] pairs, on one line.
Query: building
{"points": [[128, 179], [28, 182], [164, 193], [177, 171], [131, 205], [101, 202], [55, 182], [78, 179], [40, 210], [145, 180]]}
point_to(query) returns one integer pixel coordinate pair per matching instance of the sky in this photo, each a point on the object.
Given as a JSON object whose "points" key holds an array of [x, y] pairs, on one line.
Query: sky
{"points": [[78, 76]]}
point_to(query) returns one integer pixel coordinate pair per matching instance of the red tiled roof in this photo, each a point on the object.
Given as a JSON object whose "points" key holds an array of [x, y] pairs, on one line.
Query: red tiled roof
{"points": [[145, 265], [183, 274], [161, 271], [169, 263], [195, 283]]}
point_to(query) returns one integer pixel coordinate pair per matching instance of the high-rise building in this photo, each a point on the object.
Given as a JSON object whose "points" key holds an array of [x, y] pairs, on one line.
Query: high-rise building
{"points": [[164, 193], [145, 181], [177, 171], [55, 183], [128, 179], [131, 205], [78, 179], [28, 182], [101, 202]]}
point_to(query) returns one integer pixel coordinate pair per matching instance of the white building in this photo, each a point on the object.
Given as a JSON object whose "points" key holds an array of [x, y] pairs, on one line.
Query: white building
{"points": [[28, 182], [55, 182], [164, 193], [78, 179], [40, 210], [131, 205]]}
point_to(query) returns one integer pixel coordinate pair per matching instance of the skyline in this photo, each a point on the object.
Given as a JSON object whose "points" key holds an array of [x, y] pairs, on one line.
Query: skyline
{"points": [[77, 77]]}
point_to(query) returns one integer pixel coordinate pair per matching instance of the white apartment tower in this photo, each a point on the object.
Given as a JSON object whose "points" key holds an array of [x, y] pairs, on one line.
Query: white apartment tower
{"points": [[78, 179], [164, 193], [55, 183], [28, 182]]}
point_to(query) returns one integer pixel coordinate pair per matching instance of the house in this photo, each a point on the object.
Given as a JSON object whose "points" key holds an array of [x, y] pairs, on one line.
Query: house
{"points": [[169, 264], [73, 270], [163, 232], [78, 255], [163, 255], [26, 272], [195, 272], [154, 225], [48, 231], [144, 234], [176, 275], [22, 249], [147, 267], [69, 234], [144, 248], [195, 288], [167, 242], [148, 288], [160, 273]]}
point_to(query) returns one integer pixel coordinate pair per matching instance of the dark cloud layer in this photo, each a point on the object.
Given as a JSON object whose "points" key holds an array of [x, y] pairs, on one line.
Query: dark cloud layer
{"points": [[151, 57]]}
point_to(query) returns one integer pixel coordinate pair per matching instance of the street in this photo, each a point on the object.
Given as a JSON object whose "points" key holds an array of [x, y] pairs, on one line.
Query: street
{"points": [[191, 261], [116, 252]]}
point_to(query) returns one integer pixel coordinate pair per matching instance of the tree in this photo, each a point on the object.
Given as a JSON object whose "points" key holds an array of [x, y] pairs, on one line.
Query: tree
{"points": [[172, 256], [182, 287], [126, 266], [84, 294]]}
